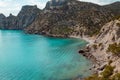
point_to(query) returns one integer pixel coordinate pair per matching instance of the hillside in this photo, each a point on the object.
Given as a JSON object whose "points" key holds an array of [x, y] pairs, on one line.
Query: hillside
{"points": [[106, 51], [25, 17], [62, 18], [71, 17]]}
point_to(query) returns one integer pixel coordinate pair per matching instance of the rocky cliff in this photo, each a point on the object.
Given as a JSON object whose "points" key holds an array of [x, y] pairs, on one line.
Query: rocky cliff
{"points": [[25, 17], [2, 21], [106, 52], [71, 17], [62, 18], [109, 35], [11, 22]]}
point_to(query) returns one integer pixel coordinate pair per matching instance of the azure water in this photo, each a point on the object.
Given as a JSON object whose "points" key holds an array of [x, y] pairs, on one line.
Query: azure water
{"points": [[35, 57]]}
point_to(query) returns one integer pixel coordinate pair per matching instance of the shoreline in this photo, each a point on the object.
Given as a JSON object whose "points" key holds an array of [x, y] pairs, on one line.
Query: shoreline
{"points": [[90, 40], [88, 55], [85, 52]]}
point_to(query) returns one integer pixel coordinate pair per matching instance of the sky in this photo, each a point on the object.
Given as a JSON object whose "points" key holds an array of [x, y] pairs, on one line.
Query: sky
{"points": [[14, 6]]}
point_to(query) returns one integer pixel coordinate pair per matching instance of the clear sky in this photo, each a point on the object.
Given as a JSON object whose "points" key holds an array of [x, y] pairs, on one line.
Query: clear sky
{"points": [[14, 6]]}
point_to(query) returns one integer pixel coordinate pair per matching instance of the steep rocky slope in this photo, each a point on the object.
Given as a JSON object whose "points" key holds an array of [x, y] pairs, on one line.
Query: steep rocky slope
{"points": [[106, 51], [10, 22], [71, 17], [26, 16], [106, 46], [2, 21], [62, 18], [114, 7]]}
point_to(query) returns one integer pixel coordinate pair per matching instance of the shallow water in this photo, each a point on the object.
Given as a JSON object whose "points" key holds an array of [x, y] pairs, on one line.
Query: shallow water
{"points": [[35, 57]]}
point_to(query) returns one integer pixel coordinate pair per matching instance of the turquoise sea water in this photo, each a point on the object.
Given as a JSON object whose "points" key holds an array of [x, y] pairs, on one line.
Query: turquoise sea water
{"points": [[35, 57]]}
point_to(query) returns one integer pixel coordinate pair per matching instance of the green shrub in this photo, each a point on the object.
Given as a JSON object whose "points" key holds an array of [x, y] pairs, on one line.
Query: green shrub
{"points": [[118, 24], [95, 46], [93, 77], [114, 48], [107, 74], [108, 71], [94, 32], [100, 44], [110, 61], [116, 17], [116, 77]]}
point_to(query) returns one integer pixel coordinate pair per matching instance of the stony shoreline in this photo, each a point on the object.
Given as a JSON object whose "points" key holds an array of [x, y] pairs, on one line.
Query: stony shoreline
{"points": [[86, 51], [97, 65], [96, 49]]}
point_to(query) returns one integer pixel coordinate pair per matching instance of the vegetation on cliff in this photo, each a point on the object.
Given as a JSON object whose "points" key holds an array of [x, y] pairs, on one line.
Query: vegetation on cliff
{"points": [[114, 48], [82, 18], [107, 74], [62, 18]]}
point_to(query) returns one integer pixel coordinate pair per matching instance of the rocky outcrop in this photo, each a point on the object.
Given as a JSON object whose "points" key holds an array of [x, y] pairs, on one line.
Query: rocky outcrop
{"points": [[26, 16], [11, 22], [71, 17], [109, 34], [2, 21], [86, 53]]}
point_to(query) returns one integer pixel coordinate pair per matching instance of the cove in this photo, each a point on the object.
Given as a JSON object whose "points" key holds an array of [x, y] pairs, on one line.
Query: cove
{"points": [[35, 57]]}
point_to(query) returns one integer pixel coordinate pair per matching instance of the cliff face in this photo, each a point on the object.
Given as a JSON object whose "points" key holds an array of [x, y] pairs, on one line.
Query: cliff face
{"points": [[109, 33], [2, 21], [62, 18], [72, 17], [26, 16], [11, 22], [106, 46]]}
